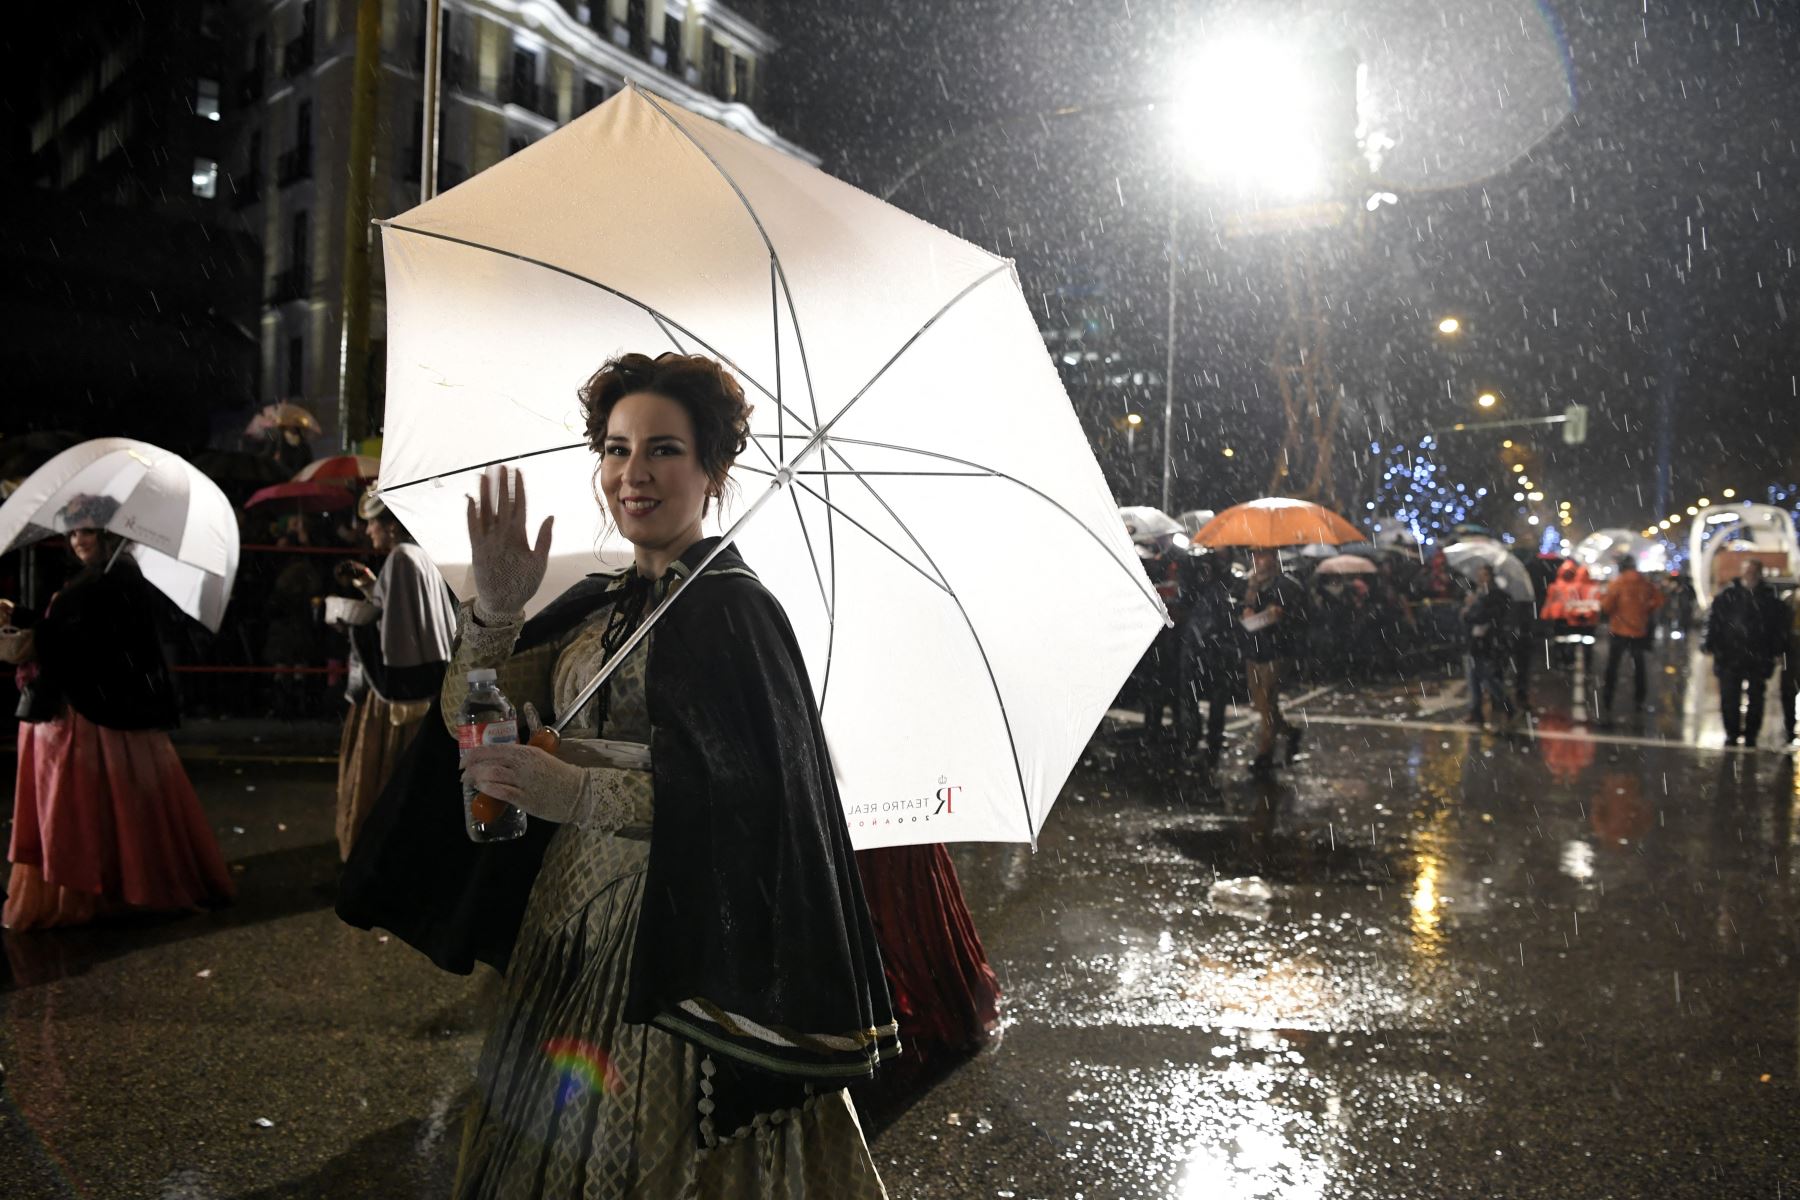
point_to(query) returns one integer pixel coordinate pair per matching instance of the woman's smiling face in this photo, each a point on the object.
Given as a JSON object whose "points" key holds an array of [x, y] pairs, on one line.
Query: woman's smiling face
{"points": [[650, 473], [86, 545]]}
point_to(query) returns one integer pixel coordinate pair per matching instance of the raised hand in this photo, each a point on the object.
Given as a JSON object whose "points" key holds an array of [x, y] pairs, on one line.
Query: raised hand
{"points": [[508, 569]]}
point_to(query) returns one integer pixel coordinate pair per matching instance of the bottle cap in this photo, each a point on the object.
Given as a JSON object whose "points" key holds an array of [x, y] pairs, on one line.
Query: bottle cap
{"points": [[482, 675]]}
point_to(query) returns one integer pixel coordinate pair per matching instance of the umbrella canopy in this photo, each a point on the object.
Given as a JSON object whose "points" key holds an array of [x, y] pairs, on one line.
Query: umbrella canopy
{"points": [[1194, 519], [180, 527], [285, 415], [1509, 572], [347, 469], [900, 387], [1346, 564], [304, 496], [1146, 524], [1277, 521]]}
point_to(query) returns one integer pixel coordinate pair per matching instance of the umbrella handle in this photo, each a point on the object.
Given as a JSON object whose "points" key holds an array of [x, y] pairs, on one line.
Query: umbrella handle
{"points": [[485, 808]]}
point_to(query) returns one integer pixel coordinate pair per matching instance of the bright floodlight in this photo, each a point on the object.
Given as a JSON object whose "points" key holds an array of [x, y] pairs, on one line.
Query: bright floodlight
{"points": [[1449, 325], [1729, 493], [1246, 115], [1486, 399], [1134, 419]]}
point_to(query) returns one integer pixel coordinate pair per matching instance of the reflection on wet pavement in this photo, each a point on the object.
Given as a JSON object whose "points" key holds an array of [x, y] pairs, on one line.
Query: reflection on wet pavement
{"points": [[1420, 962]]}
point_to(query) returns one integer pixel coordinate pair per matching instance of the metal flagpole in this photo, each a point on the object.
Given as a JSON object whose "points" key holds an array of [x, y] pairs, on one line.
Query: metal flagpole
{"points": [[433, 98], [1169, 360]]}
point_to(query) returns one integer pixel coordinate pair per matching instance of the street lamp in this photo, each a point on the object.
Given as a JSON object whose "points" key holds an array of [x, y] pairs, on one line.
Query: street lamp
{"points": [[1229, 452], [1449, 325], [1248, 116], [1729, 493], [1487, 399]]}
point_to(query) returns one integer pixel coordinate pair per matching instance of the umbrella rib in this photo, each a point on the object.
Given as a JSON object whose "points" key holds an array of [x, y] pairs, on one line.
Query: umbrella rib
{"points": [[908, 344], [779, 290], [667, 332], [938, 583], [777, 274], [1012, 742], [660, 317], [812, 555], [1135, 575]]}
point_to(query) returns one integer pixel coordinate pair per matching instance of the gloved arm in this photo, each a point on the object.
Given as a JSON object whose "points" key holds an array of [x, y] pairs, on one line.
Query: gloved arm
{"points": [[507, 568], [599, 798]]}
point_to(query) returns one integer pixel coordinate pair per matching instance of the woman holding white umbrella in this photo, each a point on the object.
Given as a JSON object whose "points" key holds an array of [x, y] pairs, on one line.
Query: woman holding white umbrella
{"points": [[694, 978], [104, 815]]}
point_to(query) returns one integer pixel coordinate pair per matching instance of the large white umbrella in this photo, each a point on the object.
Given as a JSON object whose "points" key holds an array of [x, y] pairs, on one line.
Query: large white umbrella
{"points": [[178, 524], [907, 416], [1463, 557]]}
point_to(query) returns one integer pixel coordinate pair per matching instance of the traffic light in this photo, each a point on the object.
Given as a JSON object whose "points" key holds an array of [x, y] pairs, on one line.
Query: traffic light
{"points": [[1575, 424]]}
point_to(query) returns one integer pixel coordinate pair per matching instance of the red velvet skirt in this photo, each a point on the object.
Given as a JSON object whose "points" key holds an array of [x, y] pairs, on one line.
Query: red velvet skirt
{"points": [[945, 995], [106, 819]]}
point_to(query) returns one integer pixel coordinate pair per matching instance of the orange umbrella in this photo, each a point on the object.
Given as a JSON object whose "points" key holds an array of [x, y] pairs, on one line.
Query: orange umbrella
{"points": [[1277, 521]]}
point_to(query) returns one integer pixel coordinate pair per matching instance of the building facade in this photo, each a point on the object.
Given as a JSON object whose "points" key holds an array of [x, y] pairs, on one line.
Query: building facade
{"points": [[512, 72], [130, 298]]}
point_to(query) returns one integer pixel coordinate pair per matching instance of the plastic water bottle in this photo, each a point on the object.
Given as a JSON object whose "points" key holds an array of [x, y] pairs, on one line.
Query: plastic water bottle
{"points": [[487, 719]]}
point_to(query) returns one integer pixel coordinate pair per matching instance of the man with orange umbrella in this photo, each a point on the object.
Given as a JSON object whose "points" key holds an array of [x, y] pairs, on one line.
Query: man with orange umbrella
{"points": [[1274, 612], [1273, 615]]}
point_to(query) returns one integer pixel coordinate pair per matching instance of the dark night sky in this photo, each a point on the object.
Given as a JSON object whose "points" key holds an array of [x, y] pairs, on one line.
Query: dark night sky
{"points": [[1637, 248], [1565, 242]]}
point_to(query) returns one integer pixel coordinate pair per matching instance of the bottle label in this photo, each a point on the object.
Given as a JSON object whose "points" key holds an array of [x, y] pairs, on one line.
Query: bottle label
{"points": [[486, 733]]}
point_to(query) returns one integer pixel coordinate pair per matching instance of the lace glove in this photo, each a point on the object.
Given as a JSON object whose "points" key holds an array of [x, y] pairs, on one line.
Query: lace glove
{"points": [[508, 569], [548, 788]]}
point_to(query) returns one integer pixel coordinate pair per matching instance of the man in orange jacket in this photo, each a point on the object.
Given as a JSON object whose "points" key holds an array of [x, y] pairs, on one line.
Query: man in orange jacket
{"points": [[1629, 606]]}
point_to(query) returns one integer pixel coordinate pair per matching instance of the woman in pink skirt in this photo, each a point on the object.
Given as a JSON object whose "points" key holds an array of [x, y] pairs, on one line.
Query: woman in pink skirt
{"points": [[104, 817]]}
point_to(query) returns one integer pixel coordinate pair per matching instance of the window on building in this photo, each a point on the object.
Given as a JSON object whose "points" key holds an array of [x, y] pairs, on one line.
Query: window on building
{"points": [[672, 41], [593, 94], [303, 126], [296, 366], [637, 27], [309, 23], [740, 79], [206, 99], [206, 178], [259, 57], [715, 70], [253, 153], [297, 244], [524, 78]]}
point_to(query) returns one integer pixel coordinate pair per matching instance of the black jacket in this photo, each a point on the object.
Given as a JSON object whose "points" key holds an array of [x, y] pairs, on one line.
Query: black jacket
{"points": [[752, 903], [1486, 621], [1746, 630], [97, 649]]}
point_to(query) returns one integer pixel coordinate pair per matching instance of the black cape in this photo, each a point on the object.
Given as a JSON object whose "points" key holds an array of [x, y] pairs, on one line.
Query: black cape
{"points": [[754, 940], [97, 649]]}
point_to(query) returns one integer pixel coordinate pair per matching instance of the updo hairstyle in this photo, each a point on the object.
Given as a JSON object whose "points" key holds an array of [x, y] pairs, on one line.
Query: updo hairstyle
{"points": [[714, 402]]}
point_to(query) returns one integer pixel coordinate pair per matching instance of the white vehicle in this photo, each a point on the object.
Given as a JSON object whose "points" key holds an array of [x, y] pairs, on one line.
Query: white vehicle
{"points": [[1760, 529]]}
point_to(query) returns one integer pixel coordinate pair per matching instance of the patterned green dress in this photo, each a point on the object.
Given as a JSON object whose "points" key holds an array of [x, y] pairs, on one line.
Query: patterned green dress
{"points": [[572, 1101]]}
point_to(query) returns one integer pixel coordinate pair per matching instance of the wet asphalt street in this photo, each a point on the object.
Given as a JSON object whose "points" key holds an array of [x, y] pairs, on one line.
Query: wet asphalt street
{"points": [[1423, 960]]}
